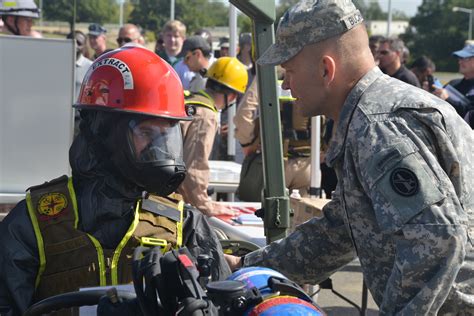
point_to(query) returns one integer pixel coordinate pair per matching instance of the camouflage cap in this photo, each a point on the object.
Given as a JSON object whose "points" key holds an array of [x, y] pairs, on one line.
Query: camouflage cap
{"points": [[309, 22]]}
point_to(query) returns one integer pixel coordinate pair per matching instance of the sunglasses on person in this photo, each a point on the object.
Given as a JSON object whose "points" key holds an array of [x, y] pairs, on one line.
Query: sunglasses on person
{"points": [[384, 52], [121, 40]]}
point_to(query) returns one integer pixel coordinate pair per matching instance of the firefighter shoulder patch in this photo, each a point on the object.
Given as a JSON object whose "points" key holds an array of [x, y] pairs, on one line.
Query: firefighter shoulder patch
{"points": [[51, 204]]}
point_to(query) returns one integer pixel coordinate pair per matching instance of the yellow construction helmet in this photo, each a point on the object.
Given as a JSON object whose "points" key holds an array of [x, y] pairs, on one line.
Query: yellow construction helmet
{"points": [[230, 72]]}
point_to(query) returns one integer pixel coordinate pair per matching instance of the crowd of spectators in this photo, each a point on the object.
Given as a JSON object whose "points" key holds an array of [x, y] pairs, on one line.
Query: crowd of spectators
{"points": [[392, 56]]}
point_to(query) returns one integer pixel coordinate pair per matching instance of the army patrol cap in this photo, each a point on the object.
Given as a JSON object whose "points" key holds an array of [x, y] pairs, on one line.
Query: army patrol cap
{"points": [[96, 29], [309, 22]]}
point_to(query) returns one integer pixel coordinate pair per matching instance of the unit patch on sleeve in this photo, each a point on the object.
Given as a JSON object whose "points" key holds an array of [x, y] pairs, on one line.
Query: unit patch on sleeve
{"points": [[51, 204], [404, 182]]}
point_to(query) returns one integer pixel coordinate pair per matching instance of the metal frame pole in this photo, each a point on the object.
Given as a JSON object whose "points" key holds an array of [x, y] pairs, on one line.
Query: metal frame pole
{"points": [[275, 196]]}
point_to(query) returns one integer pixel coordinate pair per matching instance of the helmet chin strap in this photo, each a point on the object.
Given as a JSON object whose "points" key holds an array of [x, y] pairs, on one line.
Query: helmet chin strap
{"points": [[9, 27], [226, 103]]}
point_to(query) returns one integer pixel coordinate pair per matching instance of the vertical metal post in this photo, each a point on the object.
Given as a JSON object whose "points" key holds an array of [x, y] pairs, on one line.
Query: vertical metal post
{"points": [[233, 52], [73, 24], [41, 14], [121, 12], [470, 24], [275, 197], [315, 189], [471, 13], [172, 10], [389, 20]]}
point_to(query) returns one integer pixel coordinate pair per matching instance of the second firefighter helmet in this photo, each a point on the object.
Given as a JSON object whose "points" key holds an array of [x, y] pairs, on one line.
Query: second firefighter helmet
{"points": [[25, 8], [140, 100], [230, 72]]}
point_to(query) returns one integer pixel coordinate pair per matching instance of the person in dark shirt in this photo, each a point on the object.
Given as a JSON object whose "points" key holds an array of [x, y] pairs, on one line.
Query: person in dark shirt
{"points": [[463, 101], [423, 67], [390, 54]]}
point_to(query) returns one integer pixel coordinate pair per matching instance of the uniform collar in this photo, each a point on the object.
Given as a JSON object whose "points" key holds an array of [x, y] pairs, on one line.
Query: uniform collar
{"points": [[338, 143], [206, 95]]}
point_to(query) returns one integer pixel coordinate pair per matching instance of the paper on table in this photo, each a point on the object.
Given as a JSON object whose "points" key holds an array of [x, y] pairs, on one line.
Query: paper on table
{"points": [[249, 219]]}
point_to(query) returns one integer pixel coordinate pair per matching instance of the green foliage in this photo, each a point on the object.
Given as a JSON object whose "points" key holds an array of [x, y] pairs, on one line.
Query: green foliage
{"points": [[436, 31], [244, 23], [153, 14], [282, 8], [99, 11], [373, 11], [58, 10]]}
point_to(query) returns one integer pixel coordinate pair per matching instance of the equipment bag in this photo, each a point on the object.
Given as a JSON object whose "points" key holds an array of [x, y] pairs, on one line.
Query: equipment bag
{"points": [[251, 178]]}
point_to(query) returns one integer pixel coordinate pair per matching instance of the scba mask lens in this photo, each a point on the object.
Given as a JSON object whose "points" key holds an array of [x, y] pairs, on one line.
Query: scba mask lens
{"points": [[152, 155], [156, 140]]}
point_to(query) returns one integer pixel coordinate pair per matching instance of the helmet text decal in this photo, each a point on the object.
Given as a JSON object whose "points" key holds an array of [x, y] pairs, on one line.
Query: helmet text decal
{"points": [[121, 66]]}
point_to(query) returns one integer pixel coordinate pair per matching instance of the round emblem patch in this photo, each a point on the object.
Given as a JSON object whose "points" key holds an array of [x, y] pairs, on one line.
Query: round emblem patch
{"points": [[52, 204], [404, 182]]}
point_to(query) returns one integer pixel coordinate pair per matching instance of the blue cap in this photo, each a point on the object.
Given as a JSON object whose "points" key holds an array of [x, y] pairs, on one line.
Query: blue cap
{"points": [[466, 52], [96, 29]]}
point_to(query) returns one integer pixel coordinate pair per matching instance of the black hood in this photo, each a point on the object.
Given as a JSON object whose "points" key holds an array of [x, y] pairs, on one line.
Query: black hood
{"points": [[105, 198]]}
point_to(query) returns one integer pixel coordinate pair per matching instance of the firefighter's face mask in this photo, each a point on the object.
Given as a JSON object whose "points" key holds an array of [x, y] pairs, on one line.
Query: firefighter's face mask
{"points": [[156, 140], [153, 156]]}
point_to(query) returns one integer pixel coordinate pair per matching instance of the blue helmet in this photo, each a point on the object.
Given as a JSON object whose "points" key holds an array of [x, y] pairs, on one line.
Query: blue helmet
{"points": [[258, 277]]}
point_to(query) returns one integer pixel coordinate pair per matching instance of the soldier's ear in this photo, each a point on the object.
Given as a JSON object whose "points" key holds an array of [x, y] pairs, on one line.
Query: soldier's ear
{"points": [[329, 69]]}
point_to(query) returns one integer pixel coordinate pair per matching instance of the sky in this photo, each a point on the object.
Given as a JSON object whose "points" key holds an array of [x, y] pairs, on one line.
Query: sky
{"points": [[407, 6]]}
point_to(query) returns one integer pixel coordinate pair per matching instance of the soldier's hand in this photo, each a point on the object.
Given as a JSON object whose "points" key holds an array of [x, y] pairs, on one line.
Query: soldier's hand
{"points": [[234, 262]]}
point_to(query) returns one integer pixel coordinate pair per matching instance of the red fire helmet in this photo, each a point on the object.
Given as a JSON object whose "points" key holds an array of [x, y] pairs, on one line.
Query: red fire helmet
{"points": [[135, 80]]}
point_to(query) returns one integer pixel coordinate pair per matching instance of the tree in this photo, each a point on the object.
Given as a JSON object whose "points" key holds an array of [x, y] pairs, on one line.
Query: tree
{"points": [[202, 13], [373, 12], [58, 10], [437, 31], [99, 11], [153, 14], [245, 23]]}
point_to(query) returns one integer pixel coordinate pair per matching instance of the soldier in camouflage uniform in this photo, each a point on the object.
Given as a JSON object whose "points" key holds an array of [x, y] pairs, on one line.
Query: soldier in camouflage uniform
{"points": [[404, 159]]}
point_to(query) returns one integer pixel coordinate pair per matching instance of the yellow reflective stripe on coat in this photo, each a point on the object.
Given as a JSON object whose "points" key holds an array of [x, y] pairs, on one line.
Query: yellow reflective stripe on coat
{"points": [[39, 239], [204, 94], [101, 260], [72, 193], [123, 242], [179, 225]]}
